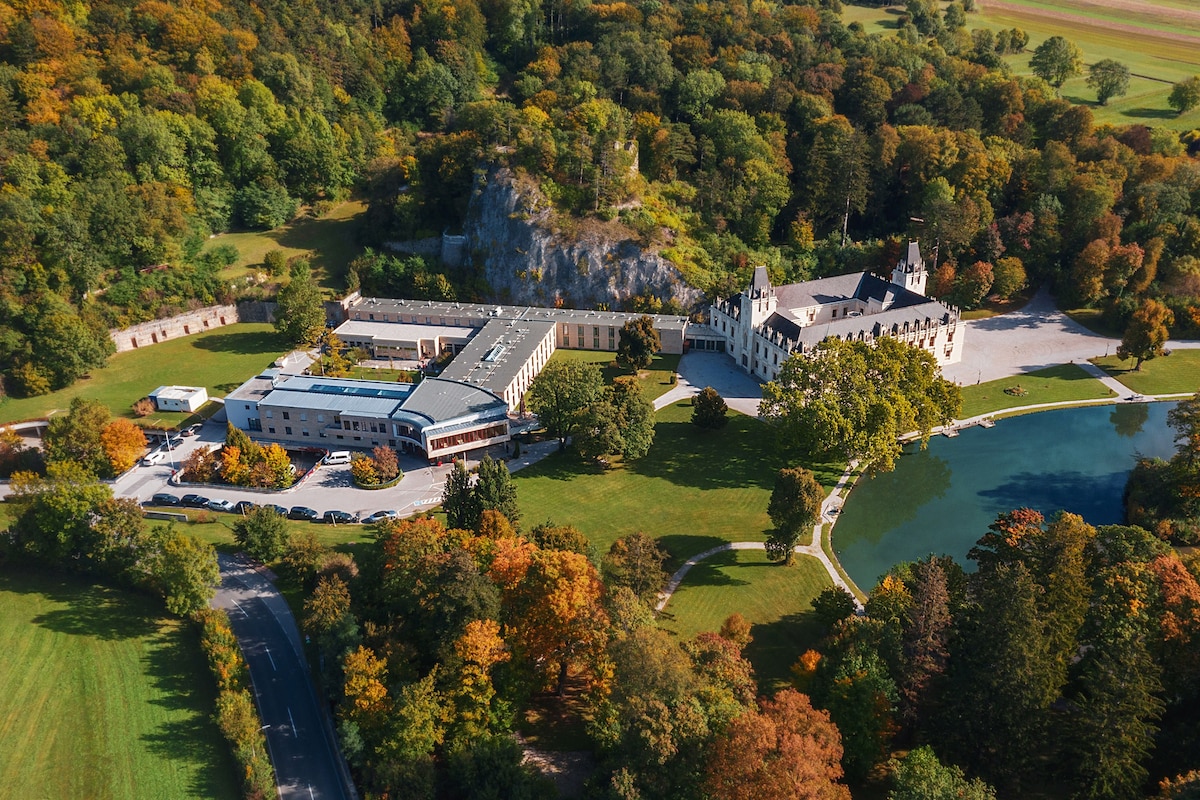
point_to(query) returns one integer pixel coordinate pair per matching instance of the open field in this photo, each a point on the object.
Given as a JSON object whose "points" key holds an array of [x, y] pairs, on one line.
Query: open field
{"points": [[1176, 373], [102, 700], [218, 360], [1050, 385], [774, 598], [330, 243], [655, 381], [1160, 42], [695, 489]]}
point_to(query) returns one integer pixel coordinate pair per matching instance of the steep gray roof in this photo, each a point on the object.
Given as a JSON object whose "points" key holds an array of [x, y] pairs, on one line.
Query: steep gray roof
{"points": [[439, 400]]}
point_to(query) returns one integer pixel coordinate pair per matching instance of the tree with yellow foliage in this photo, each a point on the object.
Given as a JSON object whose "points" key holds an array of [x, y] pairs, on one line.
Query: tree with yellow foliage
{"points": [[123, 443]]}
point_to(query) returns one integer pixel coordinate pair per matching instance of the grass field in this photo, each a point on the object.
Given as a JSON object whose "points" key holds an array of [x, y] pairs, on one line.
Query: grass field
{"points": [[694, 490], [655, 381], [773, 598], [1050, 385], [102, 700], [1159, 42], [330, 243], [219, 361], [1176, 373]]}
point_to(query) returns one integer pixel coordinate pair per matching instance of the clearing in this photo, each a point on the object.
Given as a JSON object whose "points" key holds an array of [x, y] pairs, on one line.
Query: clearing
{"points": [[101, 699], [218, 360], [1176, 373], [655, 381], [1050, 385]]}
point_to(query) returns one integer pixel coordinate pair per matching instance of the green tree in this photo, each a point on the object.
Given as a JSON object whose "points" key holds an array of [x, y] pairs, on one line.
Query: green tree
{"points": [[263, 533], [794, 508], [300, 315], [53, 515], [276, 262], [1110, 78], [1185, 95], [183, 570], [560, 392], [852, 400], [330, 599], [709, 410], [459, 500], [638, 343], [77, 436], [636, 561], [495, 491], [1147, 332], [920, 776], [833, 605], [1056, 60]]}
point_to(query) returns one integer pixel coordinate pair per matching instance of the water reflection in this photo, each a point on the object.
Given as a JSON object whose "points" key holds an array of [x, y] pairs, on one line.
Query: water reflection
{"points": [[942, 500], [1128, 420]]}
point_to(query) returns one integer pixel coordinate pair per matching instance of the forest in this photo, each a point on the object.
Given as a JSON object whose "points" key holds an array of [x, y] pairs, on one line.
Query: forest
{"points": [[724, 134]]}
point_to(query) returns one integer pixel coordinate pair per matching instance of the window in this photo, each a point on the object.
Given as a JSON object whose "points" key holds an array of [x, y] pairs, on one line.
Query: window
{"points": [[247, 406], [835, 313], [270, 430], [269, 414], [287, 430], [286, 415], [596, 337], [304, 431], [356, 426], [303, 416], [320, 417], [254, 425]]}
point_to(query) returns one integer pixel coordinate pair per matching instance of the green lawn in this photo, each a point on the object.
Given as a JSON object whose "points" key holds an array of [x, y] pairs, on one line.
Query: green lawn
{"points": [[774, 598], [1050, 385], [217, 528], [1148, 43], [655, 381], [1173, 374], [101, 699], [330, 243], [218, 360], [695, 489]]}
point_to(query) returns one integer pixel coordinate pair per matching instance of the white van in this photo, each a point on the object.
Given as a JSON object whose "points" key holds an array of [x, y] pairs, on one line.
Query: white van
{"points": [[338, 457]]}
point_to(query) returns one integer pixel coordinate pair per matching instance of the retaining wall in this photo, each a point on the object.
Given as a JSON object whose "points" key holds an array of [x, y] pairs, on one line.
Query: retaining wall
{"points": [[186, 324]]}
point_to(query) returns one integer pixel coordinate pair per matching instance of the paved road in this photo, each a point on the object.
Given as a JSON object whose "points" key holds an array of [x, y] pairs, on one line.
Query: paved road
{"points": [[307, 764]]}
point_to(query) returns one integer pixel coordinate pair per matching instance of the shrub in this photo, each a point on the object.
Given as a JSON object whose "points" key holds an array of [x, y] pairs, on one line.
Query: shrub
{"points": [[263, 534], [709, 410], [143, 407]]}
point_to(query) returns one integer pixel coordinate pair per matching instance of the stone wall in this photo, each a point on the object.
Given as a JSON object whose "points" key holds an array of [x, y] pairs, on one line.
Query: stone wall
{"points": [[160, 330], [256, 311]]}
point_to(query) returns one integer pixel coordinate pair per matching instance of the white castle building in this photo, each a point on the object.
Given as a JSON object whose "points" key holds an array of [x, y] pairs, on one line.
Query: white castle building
{"points": [[765, 324]]}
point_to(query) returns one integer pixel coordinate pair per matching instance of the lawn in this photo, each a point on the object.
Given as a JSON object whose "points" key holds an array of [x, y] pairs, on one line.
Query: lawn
{"points": [[1051, 385], [217, 528], [218, 360], [695, 489], [775, 599], [1159, 46], [330, 243], [1176, 373], [102, 699], [655, 381]]}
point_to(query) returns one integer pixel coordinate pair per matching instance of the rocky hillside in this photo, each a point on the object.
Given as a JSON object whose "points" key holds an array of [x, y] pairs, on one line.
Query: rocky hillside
{"points": [[527, 258]]}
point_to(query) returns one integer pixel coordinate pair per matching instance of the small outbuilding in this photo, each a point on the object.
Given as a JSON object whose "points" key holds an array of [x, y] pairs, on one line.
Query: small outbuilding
{"points": [[179, 398]]}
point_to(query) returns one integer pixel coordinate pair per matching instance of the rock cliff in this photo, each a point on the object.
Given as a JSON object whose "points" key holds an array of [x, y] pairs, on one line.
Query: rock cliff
{"points": [[529, 255]]}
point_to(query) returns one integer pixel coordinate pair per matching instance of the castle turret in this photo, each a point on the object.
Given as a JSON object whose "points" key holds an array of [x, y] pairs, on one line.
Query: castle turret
{"points": [[910, 271], [759, 299]]}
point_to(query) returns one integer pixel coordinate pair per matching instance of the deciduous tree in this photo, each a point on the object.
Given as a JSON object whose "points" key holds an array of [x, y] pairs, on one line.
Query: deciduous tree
{"points": [[1147, 332], [1056, 60], [75, 436], [1110, 78], [263, 533], [709, 410], [794, 508], [184, 570], [560, 392], [328, 602], [636, 561], [637, 344], [920, 776], [300, 315], [1185, 95], [123, 443]]}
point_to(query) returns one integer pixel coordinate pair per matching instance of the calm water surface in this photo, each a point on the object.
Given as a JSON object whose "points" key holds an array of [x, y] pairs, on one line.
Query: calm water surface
{"points": [[942, 499]]}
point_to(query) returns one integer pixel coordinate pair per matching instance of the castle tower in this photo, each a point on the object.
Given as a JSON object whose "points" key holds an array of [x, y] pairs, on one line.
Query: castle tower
{"points": [[910, 271], [759, 299]]}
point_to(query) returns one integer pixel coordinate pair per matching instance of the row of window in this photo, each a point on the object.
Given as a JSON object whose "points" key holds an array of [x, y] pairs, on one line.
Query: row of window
{"points": [[582, 336], [303, 416]]}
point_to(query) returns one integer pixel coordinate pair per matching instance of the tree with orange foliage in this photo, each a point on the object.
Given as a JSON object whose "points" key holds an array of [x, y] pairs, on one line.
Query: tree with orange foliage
{"points": [[552, 605], [787, 749], [123, 443], [480, 648], [366, 696]]}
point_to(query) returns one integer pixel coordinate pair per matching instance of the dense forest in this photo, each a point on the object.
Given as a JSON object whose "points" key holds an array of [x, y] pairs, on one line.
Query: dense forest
{"points": [[725, 134]]}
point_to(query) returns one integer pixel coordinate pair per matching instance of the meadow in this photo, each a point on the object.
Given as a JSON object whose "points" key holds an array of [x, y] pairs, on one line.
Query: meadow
{"points": [[1159, 42], [101, 699], [1061, 383], [1176, 373], [219, 360]]}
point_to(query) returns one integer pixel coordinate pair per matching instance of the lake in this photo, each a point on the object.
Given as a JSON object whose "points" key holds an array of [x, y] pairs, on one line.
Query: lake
{"points": [[942, 499]]}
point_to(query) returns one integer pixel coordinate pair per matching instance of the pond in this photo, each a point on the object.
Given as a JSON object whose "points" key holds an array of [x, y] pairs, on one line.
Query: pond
{"points": [[942, 499]]}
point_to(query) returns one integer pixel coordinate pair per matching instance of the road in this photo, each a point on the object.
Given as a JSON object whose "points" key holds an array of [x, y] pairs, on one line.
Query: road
{"points": [[307, 764]]}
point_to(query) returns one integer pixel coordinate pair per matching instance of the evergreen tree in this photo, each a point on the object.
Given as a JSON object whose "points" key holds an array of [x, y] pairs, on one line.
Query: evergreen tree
{"points": [[709, 410], [458, 499], [495, 491], [300, 315]]}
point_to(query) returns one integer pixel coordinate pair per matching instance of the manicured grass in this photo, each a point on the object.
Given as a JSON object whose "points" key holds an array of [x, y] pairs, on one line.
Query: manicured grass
{"points": [[330, 243], [217, 528], [1172, 374], [775, 599], [102, 699], [1093, 319], [695, 489], [655, 381], [1146, 39], [218, 360], [1050, 385]]}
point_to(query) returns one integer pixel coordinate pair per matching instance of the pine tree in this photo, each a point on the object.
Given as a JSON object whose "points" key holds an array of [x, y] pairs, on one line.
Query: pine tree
{"points": [[458, 499], [496, 491]]}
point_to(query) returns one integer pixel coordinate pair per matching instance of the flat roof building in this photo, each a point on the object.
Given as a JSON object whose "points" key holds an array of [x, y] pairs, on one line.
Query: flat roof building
{"points": [[179, 398]]}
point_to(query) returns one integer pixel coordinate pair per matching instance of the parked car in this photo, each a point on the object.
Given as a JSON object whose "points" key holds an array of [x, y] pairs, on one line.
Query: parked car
{"points": [[163, 499], [280, 510], [191, 430], [173, 440], [194, 501], [380, 516], [337, 457], [339, 517], [303, 512], [221, 505], [245, 507], [154, 457]]}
